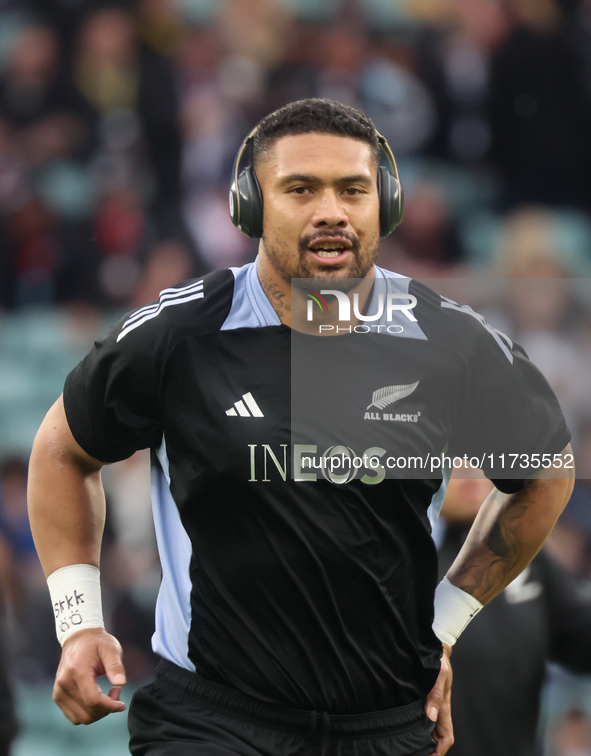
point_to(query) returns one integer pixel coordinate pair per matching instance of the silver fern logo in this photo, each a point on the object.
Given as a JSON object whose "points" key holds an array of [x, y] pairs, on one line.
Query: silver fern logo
{"points": [[390, 394]]}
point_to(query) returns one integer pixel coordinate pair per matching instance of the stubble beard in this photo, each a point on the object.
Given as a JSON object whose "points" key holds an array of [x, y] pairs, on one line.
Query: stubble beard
{"points": [[279, 256]]}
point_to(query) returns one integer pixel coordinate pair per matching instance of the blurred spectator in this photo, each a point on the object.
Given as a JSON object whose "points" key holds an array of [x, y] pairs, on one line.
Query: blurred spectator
{"points": [[571, 736], [168, 263], [219, 90], [104, 106], [429, 234], [570, 543], [14, 522], [119, 227], [32, 241], [343, 54], [541, 309], [30, 617], [254, 29], [292, 78], [219, 242], [396, 99], [540, 109], [159, 25], [528, 246], [8, 723], [131, 91], [453, 49], [35, 84]]}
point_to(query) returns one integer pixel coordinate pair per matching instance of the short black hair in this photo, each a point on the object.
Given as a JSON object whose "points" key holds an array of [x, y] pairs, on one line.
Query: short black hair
{"points": [[314, 116]]}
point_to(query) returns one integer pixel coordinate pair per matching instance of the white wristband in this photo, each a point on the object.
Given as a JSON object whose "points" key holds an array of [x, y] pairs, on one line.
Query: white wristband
{"points": [[454, 608], [75, 593]]}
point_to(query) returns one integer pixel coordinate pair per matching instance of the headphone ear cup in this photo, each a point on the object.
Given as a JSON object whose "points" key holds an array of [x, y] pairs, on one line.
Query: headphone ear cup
{"points": [[233, 204], [250, 218], [391, 201]]}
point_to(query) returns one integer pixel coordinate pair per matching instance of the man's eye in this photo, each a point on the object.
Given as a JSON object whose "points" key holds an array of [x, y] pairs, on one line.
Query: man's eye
{"points": [[352, 190], [301, 190]]}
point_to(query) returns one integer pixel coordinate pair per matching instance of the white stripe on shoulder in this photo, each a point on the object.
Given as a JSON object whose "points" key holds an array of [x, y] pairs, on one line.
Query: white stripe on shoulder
{"points": [[164, 294], [188, 294]]}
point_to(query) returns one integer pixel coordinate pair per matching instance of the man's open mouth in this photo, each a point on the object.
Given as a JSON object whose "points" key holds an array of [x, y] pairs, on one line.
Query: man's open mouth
{"points": [[327, 249]]}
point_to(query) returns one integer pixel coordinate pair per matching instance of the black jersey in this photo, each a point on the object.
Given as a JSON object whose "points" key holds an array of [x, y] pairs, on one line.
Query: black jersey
{"points": [[281, 581]]}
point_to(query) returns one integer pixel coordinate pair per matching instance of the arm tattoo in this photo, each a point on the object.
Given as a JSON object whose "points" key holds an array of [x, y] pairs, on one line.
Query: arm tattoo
{"points": [[276, 297], [493, 553]]}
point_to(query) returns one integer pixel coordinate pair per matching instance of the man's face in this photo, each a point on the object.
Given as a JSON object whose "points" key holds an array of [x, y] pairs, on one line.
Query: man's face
{"points": [[321, 207]]}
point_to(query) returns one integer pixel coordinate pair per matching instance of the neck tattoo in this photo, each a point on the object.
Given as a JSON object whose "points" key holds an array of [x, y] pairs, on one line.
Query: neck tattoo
{"points": [[277, 297]]}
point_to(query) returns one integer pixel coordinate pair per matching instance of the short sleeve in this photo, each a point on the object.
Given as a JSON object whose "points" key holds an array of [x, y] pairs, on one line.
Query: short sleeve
{"points": [[112, 397], [509, 412]]}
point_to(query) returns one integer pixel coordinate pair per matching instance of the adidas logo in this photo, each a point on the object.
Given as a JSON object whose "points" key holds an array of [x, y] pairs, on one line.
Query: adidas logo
{"points": [[241, 408]]}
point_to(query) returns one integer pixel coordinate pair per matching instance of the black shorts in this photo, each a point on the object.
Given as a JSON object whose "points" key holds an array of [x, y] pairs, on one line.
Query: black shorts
{"points": [[181, 714]]}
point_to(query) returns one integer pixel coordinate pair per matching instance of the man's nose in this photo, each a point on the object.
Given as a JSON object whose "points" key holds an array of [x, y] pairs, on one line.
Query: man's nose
{"points": [[330, 211]]}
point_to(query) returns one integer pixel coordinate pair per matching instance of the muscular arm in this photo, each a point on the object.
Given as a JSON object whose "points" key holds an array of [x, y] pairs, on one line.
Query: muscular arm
{"points": [[508, 532], [67, 514], [65, 496], [506, 535]]}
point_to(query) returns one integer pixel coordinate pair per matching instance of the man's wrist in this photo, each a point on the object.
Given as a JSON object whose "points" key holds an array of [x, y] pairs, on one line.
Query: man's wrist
{"points": [[76, 599], [454, 609]]}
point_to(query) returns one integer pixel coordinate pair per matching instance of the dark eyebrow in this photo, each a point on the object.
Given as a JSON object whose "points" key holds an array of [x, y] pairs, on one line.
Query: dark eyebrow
{"points": [[360, 178], [299, 177], [307, 179]]}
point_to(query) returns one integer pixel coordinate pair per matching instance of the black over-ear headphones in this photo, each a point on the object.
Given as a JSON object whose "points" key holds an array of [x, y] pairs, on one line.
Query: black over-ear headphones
{"points": [[246, 198]]}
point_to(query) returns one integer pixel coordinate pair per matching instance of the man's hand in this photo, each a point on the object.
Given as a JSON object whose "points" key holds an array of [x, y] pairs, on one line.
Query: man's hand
{"points": [[86, 655], [438, 706]]}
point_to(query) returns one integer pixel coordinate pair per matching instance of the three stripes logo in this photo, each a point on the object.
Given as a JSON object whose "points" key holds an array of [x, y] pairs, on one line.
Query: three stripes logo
{"points": [[168, 298], [245, 407]]}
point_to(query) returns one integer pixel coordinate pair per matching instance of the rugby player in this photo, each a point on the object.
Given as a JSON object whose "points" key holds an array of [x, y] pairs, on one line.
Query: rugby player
{"points": [[296, 609]]}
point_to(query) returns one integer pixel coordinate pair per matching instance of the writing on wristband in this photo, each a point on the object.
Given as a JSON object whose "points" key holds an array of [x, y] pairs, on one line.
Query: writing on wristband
{"points": [[75, 593], [454, 609]]}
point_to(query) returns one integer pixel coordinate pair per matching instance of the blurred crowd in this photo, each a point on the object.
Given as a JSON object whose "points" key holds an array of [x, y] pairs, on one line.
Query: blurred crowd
{"points": [[119, 123]]}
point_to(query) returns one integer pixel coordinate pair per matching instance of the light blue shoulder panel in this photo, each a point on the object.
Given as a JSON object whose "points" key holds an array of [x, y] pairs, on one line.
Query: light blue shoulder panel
{"points": [[250, 305], [173, 606]]}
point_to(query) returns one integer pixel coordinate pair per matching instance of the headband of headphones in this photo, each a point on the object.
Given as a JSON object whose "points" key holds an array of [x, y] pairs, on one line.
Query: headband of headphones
{"points": [[246, 198]]}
